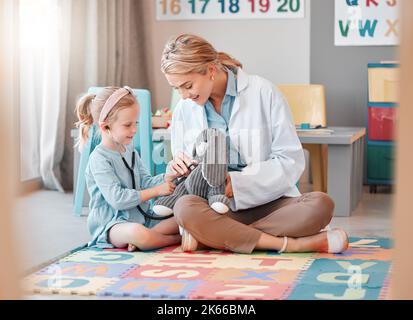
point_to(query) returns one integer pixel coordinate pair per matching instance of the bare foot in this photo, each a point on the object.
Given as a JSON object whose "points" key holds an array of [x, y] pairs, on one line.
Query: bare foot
{"points": [[190, 244], [131, 247], [332, 241]]}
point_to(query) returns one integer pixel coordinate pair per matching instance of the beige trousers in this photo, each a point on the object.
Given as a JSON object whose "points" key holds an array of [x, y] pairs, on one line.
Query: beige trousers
{"points": [[240, 231]]}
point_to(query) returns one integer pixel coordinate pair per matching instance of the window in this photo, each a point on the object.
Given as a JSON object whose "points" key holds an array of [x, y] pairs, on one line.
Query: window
{"points": [[37, 19]]}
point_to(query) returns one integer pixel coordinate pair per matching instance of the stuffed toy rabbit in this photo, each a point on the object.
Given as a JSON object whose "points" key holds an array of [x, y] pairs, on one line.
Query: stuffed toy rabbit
{"points": [[207, 179]]}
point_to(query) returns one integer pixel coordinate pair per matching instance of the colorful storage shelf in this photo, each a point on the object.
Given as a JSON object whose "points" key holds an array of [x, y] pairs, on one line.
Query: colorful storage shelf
{"points": [[382, 121], [383, 99]]}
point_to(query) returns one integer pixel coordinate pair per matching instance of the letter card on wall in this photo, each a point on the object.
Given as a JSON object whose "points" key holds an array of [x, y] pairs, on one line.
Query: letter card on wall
{"points": [[229, 9], [367, 22]]}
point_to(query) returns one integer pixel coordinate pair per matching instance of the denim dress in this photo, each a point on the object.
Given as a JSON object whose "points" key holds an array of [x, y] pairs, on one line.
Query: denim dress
{"points": [[112, 198]]}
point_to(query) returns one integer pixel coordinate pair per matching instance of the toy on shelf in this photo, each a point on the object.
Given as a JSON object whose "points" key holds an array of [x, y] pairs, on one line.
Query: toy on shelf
{"points": [[162, 118]]}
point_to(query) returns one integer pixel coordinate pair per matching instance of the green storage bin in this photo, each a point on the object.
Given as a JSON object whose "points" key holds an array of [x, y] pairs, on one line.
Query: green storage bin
{"points": [[380, 162]]}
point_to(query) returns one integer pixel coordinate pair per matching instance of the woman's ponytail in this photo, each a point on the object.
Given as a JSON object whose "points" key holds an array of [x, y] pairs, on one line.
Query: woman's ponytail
{"points": [[227, 61], [84, 114]]}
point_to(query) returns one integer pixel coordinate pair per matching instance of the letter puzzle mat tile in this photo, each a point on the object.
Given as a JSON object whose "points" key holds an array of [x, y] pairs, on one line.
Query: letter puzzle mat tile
{"points": [[341, 279], [362, 272], [86, 269], [46, 284], [370, 243], [168, 272], [240, 291], [108, 256], [154, 288], [252, 276], [227, 261], [354, 253]]}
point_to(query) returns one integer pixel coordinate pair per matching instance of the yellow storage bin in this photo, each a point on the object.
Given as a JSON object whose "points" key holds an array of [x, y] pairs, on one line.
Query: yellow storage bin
{"points": [[383, 84]]}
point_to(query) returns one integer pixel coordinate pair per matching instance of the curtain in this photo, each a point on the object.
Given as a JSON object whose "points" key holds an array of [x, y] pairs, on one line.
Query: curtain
{"points": [[71, 46], [107, 49], [44, 64]]}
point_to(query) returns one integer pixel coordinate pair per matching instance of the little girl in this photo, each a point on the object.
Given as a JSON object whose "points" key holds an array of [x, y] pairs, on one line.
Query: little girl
{"points": [[115, 221]]}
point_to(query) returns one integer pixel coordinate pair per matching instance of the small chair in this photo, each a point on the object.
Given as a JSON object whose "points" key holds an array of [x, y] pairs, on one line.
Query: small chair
{"points": [[142, 141], [308, 105], [163, 148]]}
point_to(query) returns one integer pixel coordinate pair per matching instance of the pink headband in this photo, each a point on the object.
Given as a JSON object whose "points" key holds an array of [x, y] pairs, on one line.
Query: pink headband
{"points": [[113, 100]]}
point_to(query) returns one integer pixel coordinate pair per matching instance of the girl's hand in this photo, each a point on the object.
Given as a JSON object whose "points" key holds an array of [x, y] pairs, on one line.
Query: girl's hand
{"points": [[181, 163], [170, 177], [165, 189]]}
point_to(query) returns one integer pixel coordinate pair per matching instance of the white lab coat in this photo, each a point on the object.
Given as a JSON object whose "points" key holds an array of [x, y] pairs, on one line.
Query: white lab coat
{"points": [[262, 130]]}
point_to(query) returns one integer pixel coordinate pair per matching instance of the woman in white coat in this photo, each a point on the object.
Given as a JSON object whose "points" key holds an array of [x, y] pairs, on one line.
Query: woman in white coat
{"points": [[266, 158]]}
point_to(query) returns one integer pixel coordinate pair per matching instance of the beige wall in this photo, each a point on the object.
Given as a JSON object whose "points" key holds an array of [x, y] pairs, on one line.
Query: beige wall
{"points": [[402, 280], [8, 164], [276, 49], [8, 247]]}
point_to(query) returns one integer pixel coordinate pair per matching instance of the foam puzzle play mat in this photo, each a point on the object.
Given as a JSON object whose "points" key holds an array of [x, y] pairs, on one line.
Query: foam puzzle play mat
{"points": [[362, 272]]}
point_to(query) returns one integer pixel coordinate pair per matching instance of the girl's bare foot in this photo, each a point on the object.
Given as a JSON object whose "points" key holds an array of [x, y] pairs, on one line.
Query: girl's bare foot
{"points": [[131, 247]]}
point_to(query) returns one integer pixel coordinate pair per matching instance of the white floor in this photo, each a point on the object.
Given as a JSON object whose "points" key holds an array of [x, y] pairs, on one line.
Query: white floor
{"points": [[47, 227]]}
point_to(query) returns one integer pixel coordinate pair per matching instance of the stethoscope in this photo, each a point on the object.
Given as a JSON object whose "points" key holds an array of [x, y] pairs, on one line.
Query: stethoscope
{"points": [[146, 215]]}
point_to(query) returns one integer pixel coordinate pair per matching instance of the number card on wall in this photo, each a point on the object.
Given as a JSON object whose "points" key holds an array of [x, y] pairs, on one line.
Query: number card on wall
{"points": [[367, 22], [229, 9]]}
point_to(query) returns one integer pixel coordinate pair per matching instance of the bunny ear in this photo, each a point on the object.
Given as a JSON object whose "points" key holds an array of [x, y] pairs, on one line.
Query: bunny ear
{"points": [[214, 163]]}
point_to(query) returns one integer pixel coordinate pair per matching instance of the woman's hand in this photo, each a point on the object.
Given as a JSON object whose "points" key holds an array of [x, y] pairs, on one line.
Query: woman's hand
{"points": [[165, 189], [228, 187], [181, 163]]}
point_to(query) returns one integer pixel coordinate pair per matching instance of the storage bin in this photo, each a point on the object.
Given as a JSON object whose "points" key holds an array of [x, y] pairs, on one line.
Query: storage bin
{"points": [[380, 160], [382, 122], [383, 84]]}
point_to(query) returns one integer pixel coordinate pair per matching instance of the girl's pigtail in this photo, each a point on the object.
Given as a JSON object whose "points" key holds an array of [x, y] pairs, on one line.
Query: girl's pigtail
{"points": [[85, 117]]}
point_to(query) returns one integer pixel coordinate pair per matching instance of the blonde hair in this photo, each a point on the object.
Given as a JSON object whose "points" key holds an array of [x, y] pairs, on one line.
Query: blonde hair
{"points": [[189, 53], [89, 107]]}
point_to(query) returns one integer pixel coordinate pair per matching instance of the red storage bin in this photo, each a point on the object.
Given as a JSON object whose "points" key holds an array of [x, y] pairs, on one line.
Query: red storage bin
{"points": [[382, 122]]}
